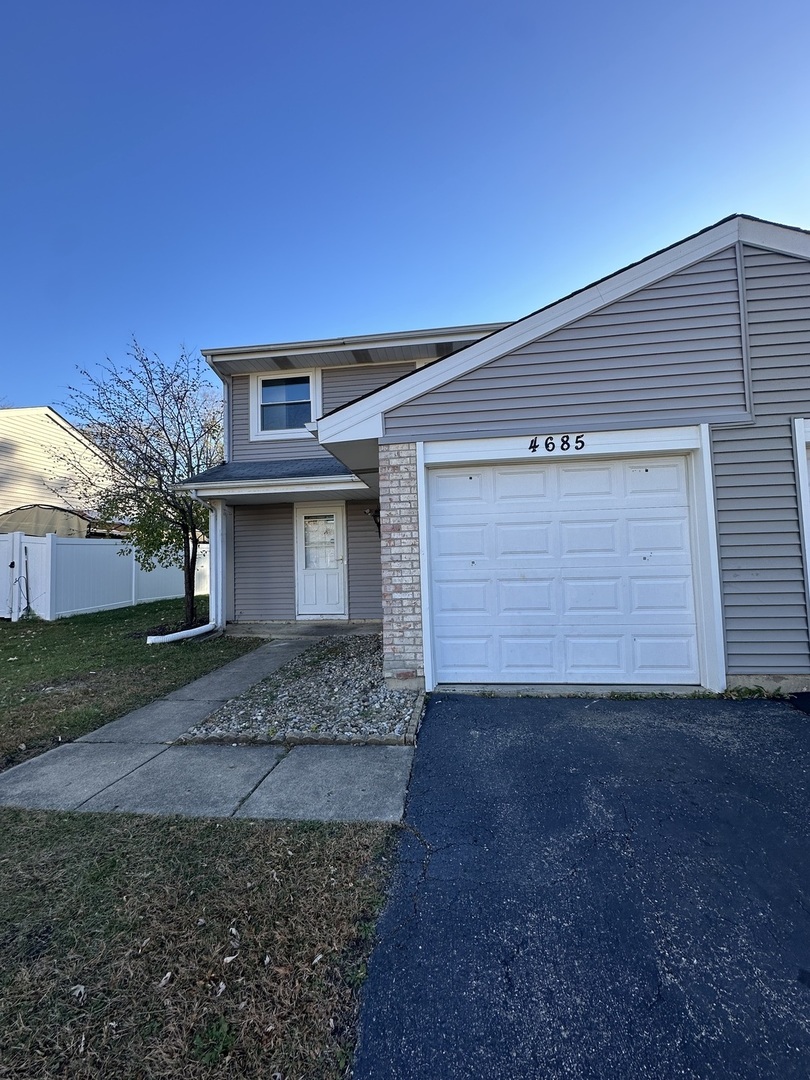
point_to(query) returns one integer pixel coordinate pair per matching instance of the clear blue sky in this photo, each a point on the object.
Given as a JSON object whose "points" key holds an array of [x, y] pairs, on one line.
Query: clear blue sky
{"points": [[235, 173]]}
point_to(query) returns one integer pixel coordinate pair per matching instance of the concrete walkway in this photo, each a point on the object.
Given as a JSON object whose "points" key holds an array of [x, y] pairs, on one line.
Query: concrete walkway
{"points": [[130, 764]]}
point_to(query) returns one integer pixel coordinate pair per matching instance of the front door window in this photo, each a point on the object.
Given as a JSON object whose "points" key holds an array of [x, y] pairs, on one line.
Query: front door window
{"points": [[319, 542]]}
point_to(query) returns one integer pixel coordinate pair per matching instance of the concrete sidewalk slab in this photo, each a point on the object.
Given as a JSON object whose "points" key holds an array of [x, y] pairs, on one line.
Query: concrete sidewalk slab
{"points": [[66, 777], [335, 783], [239, 675], [160, 722], [193, 781]]}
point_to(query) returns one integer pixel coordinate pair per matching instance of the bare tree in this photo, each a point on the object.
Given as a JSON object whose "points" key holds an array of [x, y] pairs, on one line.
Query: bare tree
{"points": [[155, 423]]}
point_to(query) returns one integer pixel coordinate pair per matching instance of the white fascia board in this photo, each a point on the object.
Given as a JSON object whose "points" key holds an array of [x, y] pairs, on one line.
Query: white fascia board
{"points": [[349, 344], [340, 426], [773, 237], [331, 484]]}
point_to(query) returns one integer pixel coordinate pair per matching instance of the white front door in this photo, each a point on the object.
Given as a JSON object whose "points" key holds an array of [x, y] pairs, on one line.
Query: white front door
{"points": [[320, 559]]}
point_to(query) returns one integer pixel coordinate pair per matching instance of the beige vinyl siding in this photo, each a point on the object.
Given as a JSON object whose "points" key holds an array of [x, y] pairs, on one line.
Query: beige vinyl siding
{"points": [[37, 452], [243, 449], [365, 574], [263, 562], [339, 386], [764, 598], [670, 353]]}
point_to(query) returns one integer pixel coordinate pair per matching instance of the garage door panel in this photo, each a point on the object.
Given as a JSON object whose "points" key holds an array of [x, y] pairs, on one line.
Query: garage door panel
{"points": [[521, 596], [456, 487], [660, 478], [463, 597], [588, 594], [589, 654], [520, 485], [563, 572], [529, 656], [520, 539], [662, 595], [466, 655], [578, 482], [658, 535], [668, 654], [595, 537], [460, 541]]}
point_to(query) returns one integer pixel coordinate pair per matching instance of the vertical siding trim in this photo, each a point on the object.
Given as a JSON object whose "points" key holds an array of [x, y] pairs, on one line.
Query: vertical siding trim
{"points": [[746, 346], [707, 571], [801, 429]]}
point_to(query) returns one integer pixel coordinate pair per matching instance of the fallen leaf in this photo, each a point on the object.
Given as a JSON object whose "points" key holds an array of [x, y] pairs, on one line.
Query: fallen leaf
{"points": [[166, 979]]}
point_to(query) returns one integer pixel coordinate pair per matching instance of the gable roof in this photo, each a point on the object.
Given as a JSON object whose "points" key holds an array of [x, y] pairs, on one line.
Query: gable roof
{"points": [[362, 419]]}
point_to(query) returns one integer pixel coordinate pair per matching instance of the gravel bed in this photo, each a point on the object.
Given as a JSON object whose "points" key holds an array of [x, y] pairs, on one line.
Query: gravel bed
{"points": [[332, 692]]}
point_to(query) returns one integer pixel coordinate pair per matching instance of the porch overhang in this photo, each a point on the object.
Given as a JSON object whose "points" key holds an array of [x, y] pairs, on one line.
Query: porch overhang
{"points": [[299, 480]]}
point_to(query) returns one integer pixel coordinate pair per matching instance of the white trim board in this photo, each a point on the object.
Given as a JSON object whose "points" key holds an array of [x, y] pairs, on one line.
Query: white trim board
{"points": [[801, 439], [516, 447], [257, 434]]}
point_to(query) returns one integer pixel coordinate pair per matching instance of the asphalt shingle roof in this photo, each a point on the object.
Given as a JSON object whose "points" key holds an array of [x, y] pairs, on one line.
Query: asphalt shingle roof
{"points": [[288, 469]]}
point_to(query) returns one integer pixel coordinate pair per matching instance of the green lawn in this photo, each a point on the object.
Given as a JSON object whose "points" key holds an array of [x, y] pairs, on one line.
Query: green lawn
{"points": [[59, 680]]}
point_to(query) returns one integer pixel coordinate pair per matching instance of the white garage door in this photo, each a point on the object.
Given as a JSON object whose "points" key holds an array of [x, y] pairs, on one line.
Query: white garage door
{"points": [[565, 572]]}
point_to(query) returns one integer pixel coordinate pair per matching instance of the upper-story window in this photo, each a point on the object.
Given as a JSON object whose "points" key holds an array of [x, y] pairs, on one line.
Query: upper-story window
{"points": [[285, 403], [282, 404]]}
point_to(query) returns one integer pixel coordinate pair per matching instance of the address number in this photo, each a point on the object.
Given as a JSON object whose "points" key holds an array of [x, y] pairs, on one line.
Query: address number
{"points": [[558, 442]]}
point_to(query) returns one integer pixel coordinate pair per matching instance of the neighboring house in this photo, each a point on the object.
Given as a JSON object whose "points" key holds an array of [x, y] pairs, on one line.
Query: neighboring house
{"points": [[612, 490], [38, 449]]}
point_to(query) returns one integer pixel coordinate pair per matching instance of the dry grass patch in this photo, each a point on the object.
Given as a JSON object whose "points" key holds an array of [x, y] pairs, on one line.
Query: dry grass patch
{"points": [[61, 679], [144, 948]]}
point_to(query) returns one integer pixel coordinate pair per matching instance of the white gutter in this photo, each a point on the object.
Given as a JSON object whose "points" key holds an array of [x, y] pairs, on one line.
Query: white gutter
{"points": [[275, 487]]}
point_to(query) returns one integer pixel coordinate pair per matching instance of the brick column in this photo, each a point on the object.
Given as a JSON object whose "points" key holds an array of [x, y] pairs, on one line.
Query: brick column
{"points": [[401, 588]]}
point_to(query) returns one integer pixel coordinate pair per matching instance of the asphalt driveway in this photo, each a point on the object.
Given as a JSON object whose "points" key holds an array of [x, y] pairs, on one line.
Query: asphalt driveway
{"points": [[598, 889]]}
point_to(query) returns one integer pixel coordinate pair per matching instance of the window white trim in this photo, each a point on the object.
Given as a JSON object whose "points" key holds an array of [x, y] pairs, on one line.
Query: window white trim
{"points": [[256, 433]]}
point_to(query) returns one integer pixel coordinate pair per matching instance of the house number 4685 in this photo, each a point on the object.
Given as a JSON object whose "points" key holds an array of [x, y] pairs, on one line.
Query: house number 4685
{"points": [[558, 442]]}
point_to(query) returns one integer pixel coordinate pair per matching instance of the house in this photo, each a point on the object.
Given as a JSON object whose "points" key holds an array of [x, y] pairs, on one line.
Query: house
{"points": [[38, 453], [612, 490]]}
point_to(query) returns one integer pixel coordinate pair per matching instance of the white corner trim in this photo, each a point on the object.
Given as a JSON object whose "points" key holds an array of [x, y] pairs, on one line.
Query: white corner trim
{"points": [[254, 403], [801, 436], [708, 589], [339, 426]]}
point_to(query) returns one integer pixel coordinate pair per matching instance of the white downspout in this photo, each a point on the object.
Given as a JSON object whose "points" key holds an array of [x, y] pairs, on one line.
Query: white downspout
{"points": [[213, 566]]}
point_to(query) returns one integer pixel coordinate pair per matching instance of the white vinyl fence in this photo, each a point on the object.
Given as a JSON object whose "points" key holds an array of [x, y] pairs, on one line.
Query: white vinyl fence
{"points": [[53, 576]]}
